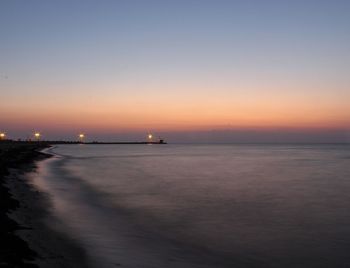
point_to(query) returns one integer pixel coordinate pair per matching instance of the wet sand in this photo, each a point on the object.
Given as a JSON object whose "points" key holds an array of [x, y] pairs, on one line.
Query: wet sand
{"points": [[26, 240]]}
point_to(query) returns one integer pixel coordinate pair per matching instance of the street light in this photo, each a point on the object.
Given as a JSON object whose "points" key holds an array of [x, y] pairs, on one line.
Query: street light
{"points": [[150, 136], [81, 137], [2, 135], [37, 136]]}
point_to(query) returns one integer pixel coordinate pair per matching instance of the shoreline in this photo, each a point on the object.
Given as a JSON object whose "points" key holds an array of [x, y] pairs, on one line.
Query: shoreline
{"points": [[26, 240]]}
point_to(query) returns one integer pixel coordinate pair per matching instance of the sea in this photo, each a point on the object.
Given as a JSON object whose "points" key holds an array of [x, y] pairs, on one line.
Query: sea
{"points": [[202, 205]]}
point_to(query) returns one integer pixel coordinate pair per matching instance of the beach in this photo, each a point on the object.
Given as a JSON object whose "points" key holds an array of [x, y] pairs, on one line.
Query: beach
{"points": [[193, 206], [175, 134], [25, 238]]}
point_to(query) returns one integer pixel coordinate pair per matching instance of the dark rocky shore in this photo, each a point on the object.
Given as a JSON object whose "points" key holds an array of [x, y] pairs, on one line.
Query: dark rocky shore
{"points": [[14, 251], [25, 240]]}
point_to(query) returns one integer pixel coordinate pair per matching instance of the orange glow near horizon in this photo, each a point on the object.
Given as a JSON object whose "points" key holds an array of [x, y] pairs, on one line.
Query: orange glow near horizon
{"points": [[180, 117], [185, 121], [214, 109]]}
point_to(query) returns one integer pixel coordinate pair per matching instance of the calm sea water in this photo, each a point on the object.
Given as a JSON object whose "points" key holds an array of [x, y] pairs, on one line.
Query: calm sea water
{"points": [[203, 205]]}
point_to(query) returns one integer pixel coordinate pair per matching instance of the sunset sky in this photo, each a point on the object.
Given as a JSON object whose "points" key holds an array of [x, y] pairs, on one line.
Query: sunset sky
{"points": [[117, 69]]}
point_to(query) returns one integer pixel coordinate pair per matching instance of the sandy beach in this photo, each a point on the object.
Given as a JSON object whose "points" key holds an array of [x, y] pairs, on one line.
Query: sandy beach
{"points": [[25, 238]]}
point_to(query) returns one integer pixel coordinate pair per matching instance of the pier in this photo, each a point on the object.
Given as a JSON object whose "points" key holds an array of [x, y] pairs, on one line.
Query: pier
{"points": [[81, 142]]}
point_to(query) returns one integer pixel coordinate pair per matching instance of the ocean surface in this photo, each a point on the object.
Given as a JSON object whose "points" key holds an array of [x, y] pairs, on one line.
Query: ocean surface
{"points": [[202, 205]]}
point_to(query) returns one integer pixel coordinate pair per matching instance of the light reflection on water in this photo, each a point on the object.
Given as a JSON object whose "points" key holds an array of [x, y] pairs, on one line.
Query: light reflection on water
{"points": [[204, 205]]}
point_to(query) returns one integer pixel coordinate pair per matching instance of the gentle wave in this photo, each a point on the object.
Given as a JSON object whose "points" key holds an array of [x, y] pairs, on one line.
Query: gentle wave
{"points": [[204, 205]]}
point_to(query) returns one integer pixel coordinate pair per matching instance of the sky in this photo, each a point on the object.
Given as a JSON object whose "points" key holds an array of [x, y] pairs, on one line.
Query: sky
{"points": [[211, 71]]}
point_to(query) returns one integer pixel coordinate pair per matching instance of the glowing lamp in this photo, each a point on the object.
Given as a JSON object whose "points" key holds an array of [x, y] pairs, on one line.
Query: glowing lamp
{"points": [[37, 135], [2, 135], [150, 136], [81, 137]]}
